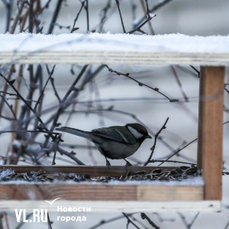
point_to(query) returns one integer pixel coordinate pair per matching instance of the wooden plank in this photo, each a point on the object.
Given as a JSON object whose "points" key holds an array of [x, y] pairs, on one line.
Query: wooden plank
{"points": [[115, 171], [112, 57], [169, 193], [100, 192], [210, 130], [67, 191], [85, 191], [115, 206]]}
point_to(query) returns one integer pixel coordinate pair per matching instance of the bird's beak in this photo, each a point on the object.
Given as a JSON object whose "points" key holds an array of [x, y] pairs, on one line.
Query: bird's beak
{"points": [[148, 136]]}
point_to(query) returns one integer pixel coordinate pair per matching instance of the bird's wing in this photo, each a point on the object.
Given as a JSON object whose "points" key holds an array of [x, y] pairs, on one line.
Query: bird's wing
{"points": [[115, 134]]}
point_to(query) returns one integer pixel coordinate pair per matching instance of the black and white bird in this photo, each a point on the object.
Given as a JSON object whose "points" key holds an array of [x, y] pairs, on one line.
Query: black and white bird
{"points": [[115, 142]]}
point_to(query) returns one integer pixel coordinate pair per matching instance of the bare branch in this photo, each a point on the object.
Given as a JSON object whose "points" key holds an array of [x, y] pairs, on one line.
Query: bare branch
{"points": [[188, 225], [155, 142], [144, 216], [55, 15], [129, 221], [120, 15], [141, 84], [178, 151], [179, 83]]}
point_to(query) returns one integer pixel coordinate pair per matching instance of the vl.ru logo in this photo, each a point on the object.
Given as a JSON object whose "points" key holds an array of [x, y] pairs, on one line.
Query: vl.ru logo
{"points": [[39, 215]]}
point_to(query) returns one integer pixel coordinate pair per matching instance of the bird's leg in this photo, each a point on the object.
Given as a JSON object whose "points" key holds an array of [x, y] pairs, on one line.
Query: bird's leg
{"points": [[127, 162], [108, 164]]}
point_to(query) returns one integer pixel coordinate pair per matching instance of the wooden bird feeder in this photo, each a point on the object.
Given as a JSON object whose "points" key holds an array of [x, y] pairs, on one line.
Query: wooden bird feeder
{"points": [[134, 197]]}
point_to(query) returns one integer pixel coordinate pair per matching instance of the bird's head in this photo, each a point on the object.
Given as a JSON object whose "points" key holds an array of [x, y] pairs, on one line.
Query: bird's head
{"points": [[139, 131]]}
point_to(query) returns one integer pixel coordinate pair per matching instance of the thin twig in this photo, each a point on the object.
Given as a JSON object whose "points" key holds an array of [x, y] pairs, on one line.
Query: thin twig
{"points": [[129, 221], [103, 14], [146, 10], [179, 83], [8, 105], [144, 216], [54, 148], [5, 87], [29, 131], [64, 103], [43, 90], [156, 7], [141, 84], [8, 5], [55, 15], [155, 142], [178, 151], [138, 28], [17, 18], [4, 224], [16, 104], [31, 16], [188, 225], [139, 221], [103, 222], [163, 219], [26, 103], [171, 161], [70, 155], [76, 18], [22, 223], [49, 222], [198, 72], [45, 6], [120, 15], [87, 13]]}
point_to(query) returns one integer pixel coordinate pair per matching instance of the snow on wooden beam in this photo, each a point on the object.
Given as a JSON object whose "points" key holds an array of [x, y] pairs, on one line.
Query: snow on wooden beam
{"points": [[114, 48], [95, 192]]}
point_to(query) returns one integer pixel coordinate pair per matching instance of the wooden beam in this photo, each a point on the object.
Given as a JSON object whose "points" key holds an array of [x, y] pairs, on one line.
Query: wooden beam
{"points": [[86, 191], [210, 130], [115, 171], [114, 206], [92, 191], [113, 57]]}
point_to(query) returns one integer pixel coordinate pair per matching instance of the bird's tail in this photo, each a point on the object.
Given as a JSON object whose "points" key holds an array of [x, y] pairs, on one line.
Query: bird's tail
{"points": [[77, 132]]}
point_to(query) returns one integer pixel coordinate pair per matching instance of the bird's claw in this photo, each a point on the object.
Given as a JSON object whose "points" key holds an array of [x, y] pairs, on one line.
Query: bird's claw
{"points": [[128, 163], [108, 164]]}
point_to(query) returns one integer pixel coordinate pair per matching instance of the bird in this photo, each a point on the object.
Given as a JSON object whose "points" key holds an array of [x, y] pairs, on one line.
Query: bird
{"points": [[114, 142]]}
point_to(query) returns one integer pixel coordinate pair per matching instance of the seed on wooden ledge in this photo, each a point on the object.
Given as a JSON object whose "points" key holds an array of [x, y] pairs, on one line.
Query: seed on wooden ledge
{"points": [[191, 170], [184, 168], [156, 171]]}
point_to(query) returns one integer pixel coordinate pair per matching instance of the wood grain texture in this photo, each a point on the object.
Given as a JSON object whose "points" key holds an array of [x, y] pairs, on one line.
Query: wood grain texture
{"points": [[112, 57], [115, 171], [210, 130], [170, 193], [115, 206], [96, 191], [100, 192]]}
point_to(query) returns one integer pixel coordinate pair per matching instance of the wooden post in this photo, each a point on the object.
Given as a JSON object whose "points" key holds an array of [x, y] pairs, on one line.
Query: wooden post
{"points": [[210, 130]]}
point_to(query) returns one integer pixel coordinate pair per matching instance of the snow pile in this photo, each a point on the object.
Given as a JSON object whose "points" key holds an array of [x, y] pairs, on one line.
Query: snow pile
{"points": [[114, 42], [194, 181]]}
